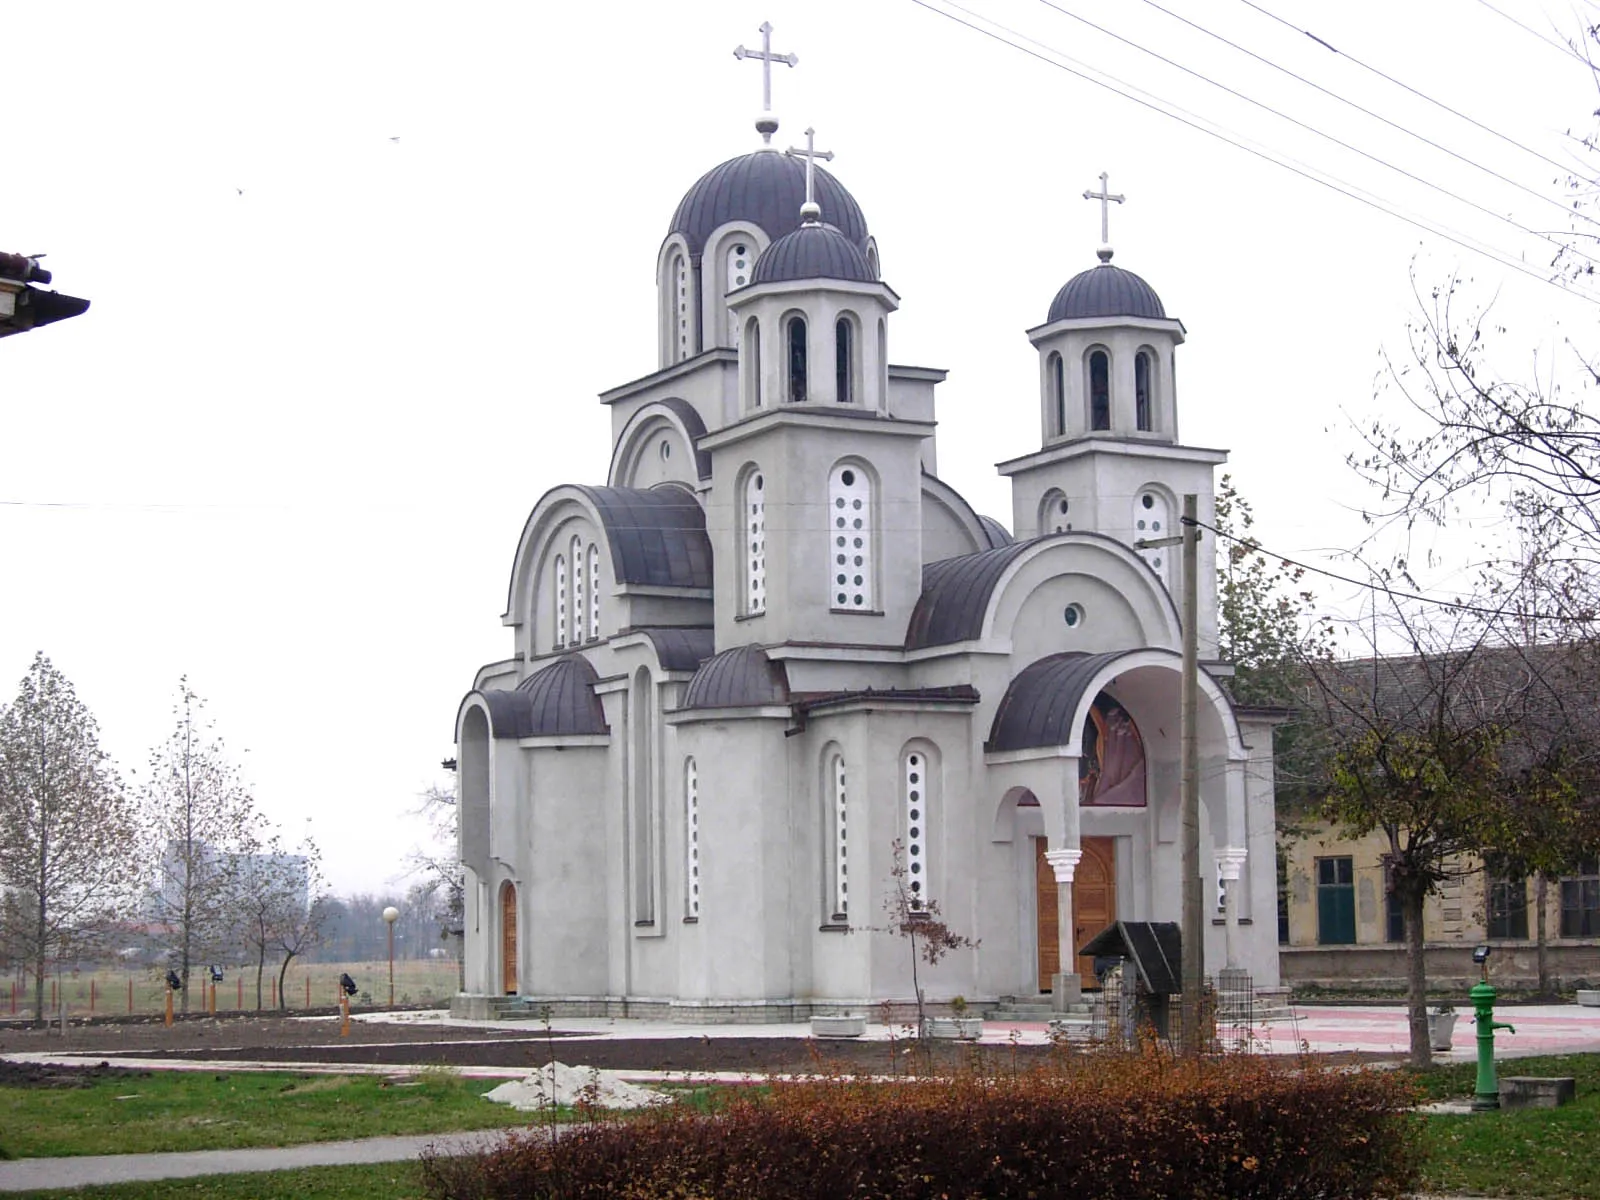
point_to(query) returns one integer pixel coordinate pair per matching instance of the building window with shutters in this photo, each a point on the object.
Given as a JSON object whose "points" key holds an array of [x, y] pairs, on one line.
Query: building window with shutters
{"points": [[1336, 902], [1580, 902], [1508, 908]]}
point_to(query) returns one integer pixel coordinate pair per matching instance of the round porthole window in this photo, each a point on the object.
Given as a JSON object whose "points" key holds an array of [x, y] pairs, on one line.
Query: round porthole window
{"points": [[1073, 615], [1147, 500], [666, 451], [1063, 507], [848, 478]]}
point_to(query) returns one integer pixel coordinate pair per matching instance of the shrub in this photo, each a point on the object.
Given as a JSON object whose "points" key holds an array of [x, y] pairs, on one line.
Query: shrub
{"points": [[1134, 1126]]}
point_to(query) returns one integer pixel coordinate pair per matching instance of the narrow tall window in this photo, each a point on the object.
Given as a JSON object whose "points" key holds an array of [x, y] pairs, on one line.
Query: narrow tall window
{"points": [[561, 601], [594, 592], [752, 358], [691, 841], [680, 299], [883, 364], [916, 797], [1336, 902], [843, 355], [580, 607], [850, 505], [1058, 396], [1508, 908], [1580, 902], [797, 360], [839, 795], [1151, 520], [1141, 391], [740, 257], [643, 817], [755, 519], [1099, 390]]}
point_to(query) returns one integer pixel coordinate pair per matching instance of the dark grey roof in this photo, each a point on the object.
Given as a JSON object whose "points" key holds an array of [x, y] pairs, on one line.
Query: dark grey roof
{"points": [[812, 252], [681, 649], [767, 189], [556, 701], [1154, 947], [1106, 291], [997, 533], [955, 595], [1039, 706], [743, 677], [657, 535]]}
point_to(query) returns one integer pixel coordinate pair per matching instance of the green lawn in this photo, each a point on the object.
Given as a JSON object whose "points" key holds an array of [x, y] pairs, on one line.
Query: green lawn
{"points": [[380, 1181], [1532, 1152], [186, 1110]]}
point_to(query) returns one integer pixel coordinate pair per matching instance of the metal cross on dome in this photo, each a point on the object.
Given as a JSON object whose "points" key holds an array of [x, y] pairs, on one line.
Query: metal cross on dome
{"points": [[766, 123], [810, 210], [1107, 199]]}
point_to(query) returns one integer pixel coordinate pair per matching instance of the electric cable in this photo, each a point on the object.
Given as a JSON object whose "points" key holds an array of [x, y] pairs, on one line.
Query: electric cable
{"points": [[1545, 38], [1193, 121]]}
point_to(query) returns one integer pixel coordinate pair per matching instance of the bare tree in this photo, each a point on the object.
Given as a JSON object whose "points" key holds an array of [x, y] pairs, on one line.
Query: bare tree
{"points": [[276, 890], [441, 888], [200, 824], [68, 857], [297, 932]]}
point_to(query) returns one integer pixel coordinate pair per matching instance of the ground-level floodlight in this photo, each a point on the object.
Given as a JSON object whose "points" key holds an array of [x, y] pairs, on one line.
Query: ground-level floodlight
{"points": [[390, 916]]}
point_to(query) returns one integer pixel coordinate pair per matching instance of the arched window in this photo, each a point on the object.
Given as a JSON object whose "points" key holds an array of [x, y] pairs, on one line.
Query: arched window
{"points": [[740, 258], [1058, 395], [691, 841], [1150, 520], [594, 592], [642, 819], [850, 507], [844, 359], [797, 359], [679, 275], [752, 361], [914, 771], [561, 601], [883, 364], [1143, 372], [1099, 390], [1054, 513], [755, 520], [838, 865], [580, 609]]}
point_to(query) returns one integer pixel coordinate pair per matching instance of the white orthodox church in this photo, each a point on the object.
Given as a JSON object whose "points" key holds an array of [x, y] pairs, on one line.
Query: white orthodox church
{"points": [[774, 645]]}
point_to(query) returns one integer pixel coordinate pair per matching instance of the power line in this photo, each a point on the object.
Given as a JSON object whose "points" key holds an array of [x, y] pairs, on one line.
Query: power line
{"points": [[1365, 66], [1368, 585], [1545, 38], [1193, 121], [1471, 162], [1312, 129]]}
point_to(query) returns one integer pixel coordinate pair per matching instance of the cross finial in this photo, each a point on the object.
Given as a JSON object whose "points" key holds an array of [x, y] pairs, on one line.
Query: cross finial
{"points": [[1106, 199], [766, 123], [810, 211]]}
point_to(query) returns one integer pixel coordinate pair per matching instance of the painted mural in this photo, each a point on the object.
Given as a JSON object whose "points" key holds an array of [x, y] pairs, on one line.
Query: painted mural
{"points": [[1111, 770]]}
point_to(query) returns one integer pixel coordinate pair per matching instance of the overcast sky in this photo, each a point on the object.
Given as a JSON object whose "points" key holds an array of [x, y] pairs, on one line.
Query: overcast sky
{"points": [[358, 272]]}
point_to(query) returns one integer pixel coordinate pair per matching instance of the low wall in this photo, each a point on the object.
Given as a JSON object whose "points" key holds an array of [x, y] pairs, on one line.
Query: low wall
{"points": [[1513, 965]]}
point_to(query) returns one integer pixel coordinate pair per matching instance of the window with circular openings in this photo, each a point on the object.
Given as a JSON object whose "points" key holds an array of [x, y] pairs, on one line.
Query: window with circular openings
{"points": [[755, 518], [738, 265], [841, 866], [850, 514], [1073, 615], [1150, 520], [561, 600], [916, 798], [691, 840]]}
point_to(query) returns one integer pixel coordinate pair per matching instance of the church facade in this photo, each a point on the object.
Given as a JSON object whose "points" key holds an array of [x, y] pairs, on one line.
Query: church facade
{"points": [[774, 655]]}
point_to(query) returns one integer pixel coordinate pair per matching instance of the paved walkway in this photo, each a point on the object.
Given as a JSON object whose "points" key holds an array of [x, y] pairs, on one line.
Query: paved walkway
{"points": [[38, 1174]]}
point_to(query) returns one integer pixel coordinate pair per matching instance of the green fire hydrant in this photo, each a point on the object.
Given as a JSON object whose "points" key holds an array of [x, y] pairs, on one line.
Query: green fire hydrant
{"points": [[1487, 1094]]}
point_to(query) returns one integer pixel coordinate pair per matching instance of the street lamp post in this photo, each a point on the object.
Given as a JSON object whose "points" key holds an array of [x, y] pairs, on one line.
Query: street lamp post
{"points": [[390, 916]]}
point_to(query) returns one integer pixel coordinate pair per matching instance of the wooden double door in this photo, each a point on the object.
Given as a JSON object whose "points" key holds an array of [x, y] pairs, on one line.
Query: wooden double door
{"points": [[1094, 905], [508, 938]]}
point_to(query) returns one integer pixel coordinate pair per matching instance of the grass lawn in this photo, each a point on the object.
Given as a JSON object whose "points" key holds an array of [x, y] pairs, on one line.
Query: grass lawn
{"points": [[1532, 1152], [191, 1110], [379, 1181]]}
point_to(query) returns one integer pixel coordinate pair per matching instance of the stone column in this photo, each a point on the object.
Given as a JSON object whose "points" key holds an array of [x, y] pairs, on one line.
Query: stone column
{"points": [[1066, 989], [1230, 860]]}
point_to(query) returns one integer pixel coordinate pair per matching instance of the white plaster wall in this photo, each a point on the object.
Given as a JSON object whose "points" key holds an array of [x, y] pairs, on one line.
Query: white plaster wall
{"points": [[562, 869]]}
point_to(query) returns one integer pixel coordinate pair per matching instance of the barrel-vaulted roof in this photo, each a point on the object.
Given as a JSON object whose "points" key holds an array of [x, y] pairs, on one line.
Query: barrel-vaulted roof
{"points": [[743, 677], [1039, 707], [657, 535], [557, 701]]}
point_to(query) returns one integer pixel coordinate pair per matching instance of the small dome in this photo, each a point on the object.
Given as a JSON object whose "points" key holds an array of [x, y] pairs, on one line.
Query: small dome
{"points": [[767, 189], [743, 677], [812, 252], [1106, 291]]}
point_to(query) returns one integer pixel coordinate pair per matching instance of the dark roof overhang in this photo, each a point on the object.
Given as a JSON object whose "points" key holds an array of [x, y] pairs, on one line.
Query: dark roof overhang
{"points": [[743, 677], [955, 596], [558, 701], [657, 535], [1040, 707]]}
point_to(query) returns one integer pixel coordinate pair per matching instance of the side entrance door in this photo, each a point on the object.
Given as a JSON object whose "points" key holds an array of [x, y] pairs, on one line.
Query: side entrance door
{"points": [[508, 937]]}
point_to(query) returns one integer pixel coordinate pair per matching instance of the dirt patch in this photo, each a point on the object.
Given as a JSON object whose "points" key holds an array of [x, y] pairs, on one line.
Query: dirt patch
{"points": [[36, 1075]]}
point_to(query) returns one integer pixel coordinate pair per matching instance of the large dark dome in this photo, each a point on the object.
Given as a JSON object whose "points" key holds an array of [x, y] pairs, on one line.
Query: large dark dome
{"points": [[767, 189], [812, 252], [1106, 291]]}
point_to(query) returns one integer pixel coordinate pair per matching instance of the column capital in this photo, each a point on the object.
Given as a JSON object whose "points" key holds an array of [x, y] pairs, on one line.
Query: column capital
{"points": [[1230, 860], [1063, 862]]}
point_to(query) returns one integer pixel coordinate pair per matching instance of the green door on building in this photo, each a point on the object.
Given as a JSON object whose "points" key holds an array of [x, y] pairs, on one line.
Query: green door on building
{"points": [[1336, 902]]}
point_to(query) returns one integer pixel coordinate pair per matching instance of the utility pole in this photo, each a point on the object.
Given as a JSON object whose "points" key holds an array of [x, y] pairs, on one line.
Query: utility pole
{"points": [[1192, 910], [1194, 971]]}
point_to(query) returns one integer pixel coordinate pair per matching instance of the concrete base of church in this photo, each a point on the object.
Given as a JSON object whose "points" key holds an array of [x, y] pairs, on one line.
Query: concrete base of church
{"points": [[1066, 993], [478, 1007]]}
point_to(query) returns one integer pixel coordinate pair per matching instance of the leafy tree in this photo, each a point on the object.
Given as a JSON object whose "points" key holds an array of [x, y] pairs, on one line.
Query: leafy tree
{"points": [[200, 826], [68, 858]]}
